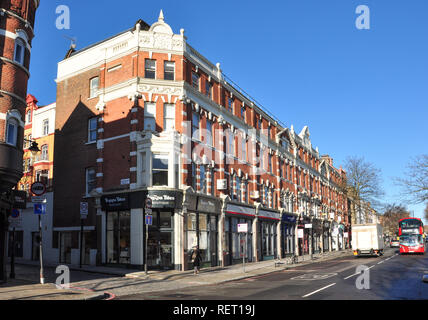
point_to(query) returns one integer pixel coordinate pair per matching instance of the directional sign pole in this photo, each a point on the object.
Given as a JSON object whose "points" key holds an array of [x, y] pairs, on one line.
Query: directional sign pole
{"points": [[81, 241], [12, 258], [146, 245], [42, 278]]}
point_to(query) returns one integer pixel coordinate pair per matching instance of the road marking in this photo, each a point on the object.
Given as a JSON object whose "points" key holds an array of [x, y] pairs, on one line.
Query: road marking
{"points": [[381, 262], [356, 274], [312, 293]]}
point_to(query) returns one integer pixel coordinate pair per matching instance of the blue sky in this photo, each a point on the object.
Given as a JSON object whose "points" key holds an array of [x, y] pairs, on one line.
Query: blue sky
{"points": [[361, 92]]}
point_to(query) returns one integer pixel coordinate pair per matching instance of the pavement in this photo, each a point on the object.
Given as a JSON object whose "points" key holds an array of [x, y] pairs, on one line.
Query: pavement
{"points": [[105, 283]]}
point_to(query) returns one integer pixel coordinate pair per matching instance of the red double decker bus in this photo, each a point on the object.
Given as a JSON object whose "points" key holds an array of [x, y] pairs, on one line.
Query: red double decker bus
{"points": [[411, 232]]}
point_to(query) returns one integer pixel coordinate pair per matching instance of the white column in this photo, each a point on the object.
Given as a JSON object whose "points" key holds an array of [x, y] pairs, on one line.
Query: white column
{"points": [[179, 239], [137, 238]]}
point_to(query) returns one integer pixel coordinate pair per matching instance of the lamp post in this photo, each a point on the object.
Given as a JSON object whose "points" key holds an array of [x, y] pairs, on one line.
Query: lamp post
{"points": [[34, 149]]}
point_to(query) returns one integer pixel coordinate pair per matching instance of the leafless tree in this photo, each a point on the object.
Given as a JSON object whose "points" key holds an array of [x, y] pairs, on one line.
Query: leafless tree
{"points": [[426, 213], [393, 213], [365, 180], [415, 182]]}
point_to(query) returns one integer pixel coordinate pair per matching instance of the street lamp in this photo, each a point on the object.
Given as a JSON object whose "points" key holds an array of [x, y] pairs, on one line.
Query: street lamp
{"points": [[34, 149]]}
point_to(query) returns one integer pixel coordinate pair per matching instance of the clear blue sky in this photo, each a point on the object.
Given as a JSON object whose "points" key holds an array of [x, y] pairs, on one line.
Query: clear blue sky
{"points": [[361, 92]]}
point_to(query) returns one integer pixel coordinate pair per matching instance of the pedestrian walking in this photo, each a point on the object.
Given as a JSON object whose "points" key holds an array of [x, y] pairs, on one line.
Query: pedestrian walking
{"points": [[196, 259]]}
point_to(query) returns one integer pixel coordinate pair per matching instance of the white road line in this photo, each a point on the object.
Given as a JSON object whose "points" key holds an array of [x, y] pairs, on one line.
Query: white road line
{"points": [[312, 293], [356, 274], [381, 262]]}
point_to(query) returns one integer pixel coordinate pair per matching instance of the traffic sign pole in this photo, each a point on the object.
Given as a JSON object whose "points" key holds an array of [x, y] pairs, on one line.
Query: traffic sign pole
{"points": [[42, 277], [12, 258]]}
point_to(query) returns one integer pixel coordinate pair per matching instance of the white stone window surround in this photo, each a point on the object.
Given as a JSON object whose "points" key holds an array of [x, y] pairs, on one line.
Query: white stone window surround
{"points": [[164, 144]]}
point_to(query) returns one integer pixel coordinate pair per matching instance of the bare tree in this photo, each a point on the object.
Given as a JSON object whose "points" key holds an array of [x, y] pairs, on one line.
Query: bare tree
{"points": [[392, 215], [426, 213], [415, 183], [365, 180]]}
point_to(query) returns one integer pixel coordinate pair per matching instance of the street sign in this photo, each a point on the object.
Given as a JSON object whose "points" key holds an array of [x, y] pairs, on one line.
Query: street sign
{"points": [[38, 188], [39, 209], [15, 213], [149, 211], [149, 203], [41, 199], [242, 228], [84, 209], [149, 220], [308, 226]]}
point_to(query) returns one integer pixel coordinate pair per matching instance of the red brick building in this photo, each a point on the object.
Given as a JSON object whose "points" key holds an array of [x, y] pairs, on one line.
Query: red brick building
{"points": [[16, 34], [144, 115]]}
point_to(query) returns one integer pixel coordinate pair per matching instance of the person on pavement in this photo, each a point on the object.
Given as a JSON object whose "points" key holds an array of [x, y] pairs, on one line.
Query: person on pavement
{"points": [[196, 259]]}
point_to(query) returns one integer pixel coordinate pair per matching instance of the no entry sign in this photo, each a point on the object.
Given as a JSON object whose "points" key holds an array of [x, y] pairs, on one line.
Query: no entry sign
{"points": [[38, 188]]}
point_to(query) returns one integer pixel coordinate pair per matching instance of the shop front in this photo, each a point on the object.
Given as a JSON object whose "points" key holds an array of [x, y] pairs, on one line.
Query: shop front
{"points": [[326, 236], [124, 236], [160, 243], [335, 236], [235, 241], [118, 225], [288, 233], [317, 234], [304, 236], [268, 234], [201, 229]]}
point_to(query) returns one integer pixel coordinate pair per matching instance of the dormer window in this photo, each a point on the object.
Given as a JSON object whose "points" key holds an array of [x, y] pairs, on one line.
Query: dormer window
{"points": [[19, 55]]}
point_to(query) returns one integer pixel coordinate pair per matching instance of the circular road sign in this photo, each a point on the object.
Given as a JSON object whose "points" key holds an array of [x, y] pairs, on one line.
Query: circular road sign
{"points": [[15, 213], [38, 188], [149, 203]]}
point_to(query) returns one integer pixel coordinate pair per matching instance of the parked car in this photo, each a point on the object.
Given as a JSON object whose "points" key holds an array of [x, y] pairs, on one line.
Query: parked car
{"points": [[395, 243]]}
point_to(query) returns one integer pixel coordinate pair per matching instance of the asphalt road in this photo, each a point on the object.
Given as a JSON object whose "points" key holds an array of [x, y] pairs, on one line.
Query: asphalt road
{"points": [[390, 277]]}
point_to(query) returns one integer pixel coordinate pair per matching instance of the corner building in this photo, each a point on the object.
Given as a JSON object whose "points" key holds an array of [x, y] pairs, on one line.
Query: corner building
{"points": [[16, 34], [143, 115]]}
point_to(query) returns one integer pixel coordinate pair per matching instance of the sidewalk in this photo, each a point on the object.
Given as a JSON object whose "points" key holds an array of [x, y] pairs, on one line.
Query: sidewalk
{"points": [[127, 281], [17, 289]]}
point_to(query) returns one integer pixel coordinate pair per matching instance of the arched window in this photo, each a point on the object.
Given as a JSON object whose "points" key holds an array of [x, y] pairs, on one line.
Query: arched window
{"points": [[19, 51], [45, 153], [28, 118], [12, 131]]}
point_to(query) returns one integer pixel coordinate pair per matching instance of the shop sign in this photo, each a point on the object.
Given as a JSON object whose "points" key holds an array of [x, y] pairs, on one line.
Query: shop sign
{"points": [[162, 199], [208, 205], [308, 226], [20, 199], [240, 210], [269, 215], [243, 228], [115, 202], [290, 219]]}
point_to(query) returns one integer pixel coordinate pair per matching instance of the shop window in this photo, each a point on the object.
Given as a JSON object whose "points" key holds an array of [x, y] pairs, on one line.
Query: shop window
{"points": [[160, 170]]}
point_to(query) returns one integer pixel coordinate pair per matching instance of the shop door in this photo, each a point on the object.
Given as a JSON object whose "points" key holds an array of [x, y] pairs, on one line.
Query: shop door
{"points": [[65, 247], [160, 240]]}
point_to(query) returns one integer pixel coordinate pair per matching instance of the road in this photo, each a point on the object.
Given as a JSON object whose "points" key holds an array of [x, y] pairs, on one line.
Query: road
{"points": [[390, 277]]}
